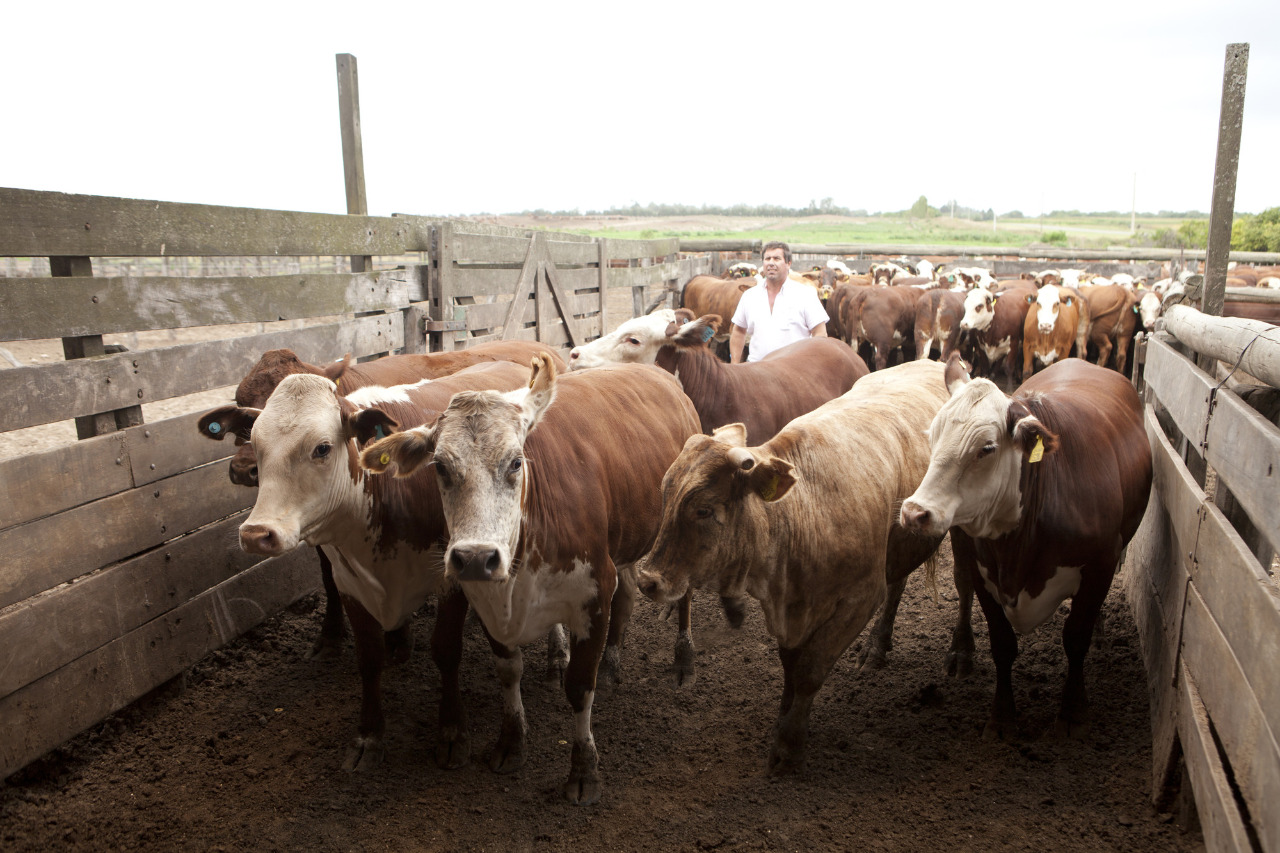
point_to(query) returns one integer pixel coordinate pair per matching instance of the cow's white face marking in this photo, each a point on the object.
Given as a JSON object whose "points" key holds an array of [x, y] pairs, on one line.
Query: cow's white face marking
{"points": [[1149, 310], [304, 478], [979, 309], [1026, 612], [974, 466], [1047, 305], [636, 341]]}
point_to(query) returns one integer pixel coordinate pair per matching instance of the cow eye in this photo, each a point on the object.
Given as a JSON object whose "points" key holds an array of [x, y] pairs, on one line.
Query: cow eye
{"points": [[515, 466], [987, 450], [635, 342], [442, 471], [321, 450], [702, 512]]}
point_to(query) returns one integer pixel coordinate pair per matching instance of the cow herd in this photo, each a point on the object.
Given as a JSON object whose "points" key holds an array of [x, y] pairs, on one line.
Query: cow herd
{"points": [[543, 494]]}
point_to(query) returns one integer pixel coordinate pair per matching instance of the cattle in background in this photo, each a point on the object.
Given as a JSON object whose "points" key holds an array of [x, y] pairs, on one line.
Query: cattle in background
{"points": [[1113, 319], [706, 294], [1046, 489], [546, 523], [274, 365], [1150, 306], [965, 278], [382, 535], [742, 269], [886, 319], [885, 273], [1052, 326], [938, 316], [757, 521], [991, 329]]}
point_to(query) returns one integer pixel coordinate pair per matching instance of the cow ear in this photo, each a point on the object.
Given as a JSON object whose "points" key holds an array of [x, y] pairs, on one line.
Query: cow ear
{"points": [[541, 391], [1070, 300], [409, 450], [368, 425], [336, 370], [236, 420], [771, 479], [734, 435], [696, 333], [956, 376], [1029, 434], [1031, 299], [684, 315]]}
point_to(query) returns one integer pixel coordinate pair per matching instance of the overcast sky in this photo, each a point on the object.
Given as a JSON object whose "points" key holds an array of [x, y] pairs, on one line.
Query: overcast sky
{"points": [[500, 107]]}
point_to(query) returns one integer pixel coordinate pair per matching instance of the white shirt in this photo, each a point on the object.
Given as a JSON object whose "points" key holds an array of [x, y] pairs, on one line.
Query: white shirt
{"points": [[796, 310]]}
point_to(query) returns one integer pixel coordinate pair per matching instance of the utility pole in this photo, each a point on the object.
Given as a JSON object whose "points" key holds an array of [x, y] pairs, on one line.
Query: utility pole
{"points": [[1133, 210]]}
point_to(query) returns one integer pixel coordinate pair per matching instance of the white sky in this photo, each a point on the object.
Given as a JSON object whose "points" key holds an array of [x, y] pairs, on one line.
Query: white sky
{"points": [[500, 106]]}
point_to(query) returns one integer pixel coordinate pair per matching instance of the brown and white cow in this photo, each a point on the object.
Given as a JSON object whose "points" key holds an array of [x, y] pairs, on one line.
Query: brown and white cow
{"points": [[382, 535], [706, 294], [545, 523], [757, 521], [1046, 488], [1113, 318], [1052, 327], [938, 316], [274, 365]]}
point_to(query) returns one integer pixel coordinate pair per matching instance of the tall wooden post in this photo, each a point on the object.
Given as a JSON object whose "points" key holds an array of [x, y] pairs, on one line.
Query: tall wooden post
{"points": [[352, 148], [1221, 214]]}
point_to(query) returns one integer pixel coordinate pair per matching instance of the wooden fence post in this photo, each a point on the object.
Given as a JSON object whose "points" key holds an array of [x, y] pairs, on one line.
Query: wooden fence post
{"points": [[1230, 121], [352, 148]]}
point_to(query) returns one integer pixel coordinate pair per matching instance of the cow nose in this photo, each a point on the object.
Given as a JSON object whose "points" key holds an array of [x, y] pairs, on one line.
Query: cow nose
{"points": [[259, 539], [914, 517], [474, 564], [244, 476], [573, 354]]}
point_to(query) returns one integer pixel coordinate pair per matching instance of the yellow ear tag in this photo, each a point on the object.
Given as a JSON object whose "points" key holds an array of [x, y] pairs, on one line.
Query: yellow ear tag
{"points": [[1037, 452], [769, 490], [385, 459], [337, 383]]}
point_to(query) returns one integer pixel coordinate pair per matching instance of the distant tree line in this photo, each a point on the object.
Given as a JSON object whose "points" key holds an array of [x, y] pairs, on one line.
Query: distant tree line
{"points": [[826, 205]]}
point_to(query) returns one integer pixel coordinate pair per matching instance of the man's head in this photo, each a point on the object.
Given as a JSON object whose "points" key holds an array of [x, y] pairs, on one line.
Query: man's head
{"points": [[776, 262]]}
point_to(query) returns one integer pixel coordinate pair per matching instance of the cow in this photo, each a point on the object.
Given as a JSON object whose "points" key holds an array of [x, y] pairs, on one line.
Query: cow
{"points": [[705, 294], [834, 306], [756, 521], [1041, 492], [886, 273], [1149, 308], [383, 535], [938, 315], [742, 269], [886, 320], [992, 329], [274, 365], [1113, 318], [545, 524], [1051, 327]]}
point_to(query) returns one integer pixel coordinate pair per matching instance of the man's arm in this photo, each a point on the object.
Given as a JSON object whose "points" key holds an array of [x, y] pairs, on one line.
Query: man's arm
{"points": [[738, 339], [818, 331]]}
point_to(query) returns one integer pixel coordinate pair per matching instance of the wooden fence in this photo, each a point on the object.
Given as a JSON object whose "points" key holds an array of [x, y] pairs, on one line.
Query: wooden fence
{"points": [[120, 566], [1198, 577]]}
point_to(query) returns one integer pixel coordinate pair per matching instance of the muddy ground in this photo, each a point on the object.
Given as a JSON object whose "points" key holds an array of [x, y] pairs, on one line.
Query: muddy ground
{"points": [[246, 754]]}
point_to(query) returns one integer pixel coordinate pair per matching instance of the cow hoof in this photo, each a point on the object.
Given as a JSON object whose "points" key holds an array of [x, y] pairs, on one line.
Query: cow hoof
{"points": [[583, 786], [735, 612], [365, 755], [326, 648], [609, 672], [508, 753], [781, 764], [959, 664], [1064, 729], [682, 669], [996, 730], [453, 751], [871, 657]]}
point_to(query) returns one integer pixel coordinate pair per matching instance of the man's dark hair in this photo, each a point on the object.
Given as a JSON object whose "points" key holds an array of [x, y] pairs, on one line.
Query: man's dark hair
{"points": [[786, 250]]}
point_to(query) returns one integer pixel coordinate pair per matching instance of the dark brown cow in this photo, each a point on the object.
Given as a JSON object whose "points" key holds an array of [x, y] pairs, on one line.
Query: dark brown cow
{"points": [[758, 521], [938, 316], [1113, 319], [274, 365], [706, 294], [1267, 312], [886, 319], [1041, 492], [546, 523], [384, 535]]}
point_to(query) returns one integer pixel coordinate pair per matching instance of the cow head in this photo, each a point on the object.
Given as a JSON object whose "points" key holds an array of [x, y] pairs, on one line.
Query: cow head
{"points": [[477, 450], [977, 445], [636, 341], [1148, 309], [1048, 302], [979, 310], [713, 515], [304, 439]]}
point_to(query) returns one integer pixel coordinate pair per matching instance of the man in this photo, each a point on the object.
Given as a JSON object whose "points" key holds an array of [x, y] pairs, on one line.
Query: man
{"points": [[777, 312]]}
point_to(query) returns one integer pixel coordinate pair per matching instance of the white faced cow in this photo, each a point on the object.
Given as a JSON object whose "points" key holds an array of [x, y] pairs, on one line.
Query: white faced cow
{"points": [[546, 523]]}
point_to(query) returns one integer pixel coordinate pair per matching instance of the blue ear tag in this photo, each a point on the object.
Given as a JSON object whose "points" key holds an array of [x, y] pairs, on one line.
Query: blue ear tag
{"points": [[378, 433], [707, 333], [215, 427]]}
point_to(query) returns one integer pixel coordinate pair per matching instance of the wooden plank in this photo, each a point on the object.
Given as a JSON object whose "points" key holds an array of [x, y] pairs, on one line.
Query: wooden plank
{"points": [[656, 275], [41, 554], [352, 147], [1244, 448], [48, 307], [47, 632], [483, 248], [573, 254], [1237, 717], [527, 282], [1182, 388], [47, 223], [629, 249], [563, 305], [1252, 343], [64, 703], [482, 283], [1219, 818], [1222, 206], [54, 392], [41, 484]]}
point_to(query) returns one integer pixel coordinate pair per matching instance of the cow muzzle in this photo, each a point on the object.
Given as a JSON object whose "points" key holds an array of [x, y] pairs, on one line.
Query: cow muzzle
{"points": [[476, 564], [261, 539], [917, 519]]}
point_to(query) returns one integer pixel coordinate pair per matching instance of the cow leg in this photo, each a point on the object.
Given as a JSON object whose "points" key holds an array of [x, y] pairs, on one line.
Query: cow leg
{"points": [[735, 610], [1077, 633], [557, 655], [453, 747], [1104, 352], [1122, 353], [880, 639], [370, 659], [964, 564], [507, 755], [609, 673], [582, 788], [682, 667], [399, 642], [333, 628], [1004, 648]]}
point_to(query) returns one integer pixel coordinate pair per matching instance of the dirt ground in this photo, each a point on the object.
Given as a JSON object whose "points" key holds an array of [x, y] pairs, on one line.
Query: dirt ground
{"points": [[246, 753]]}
